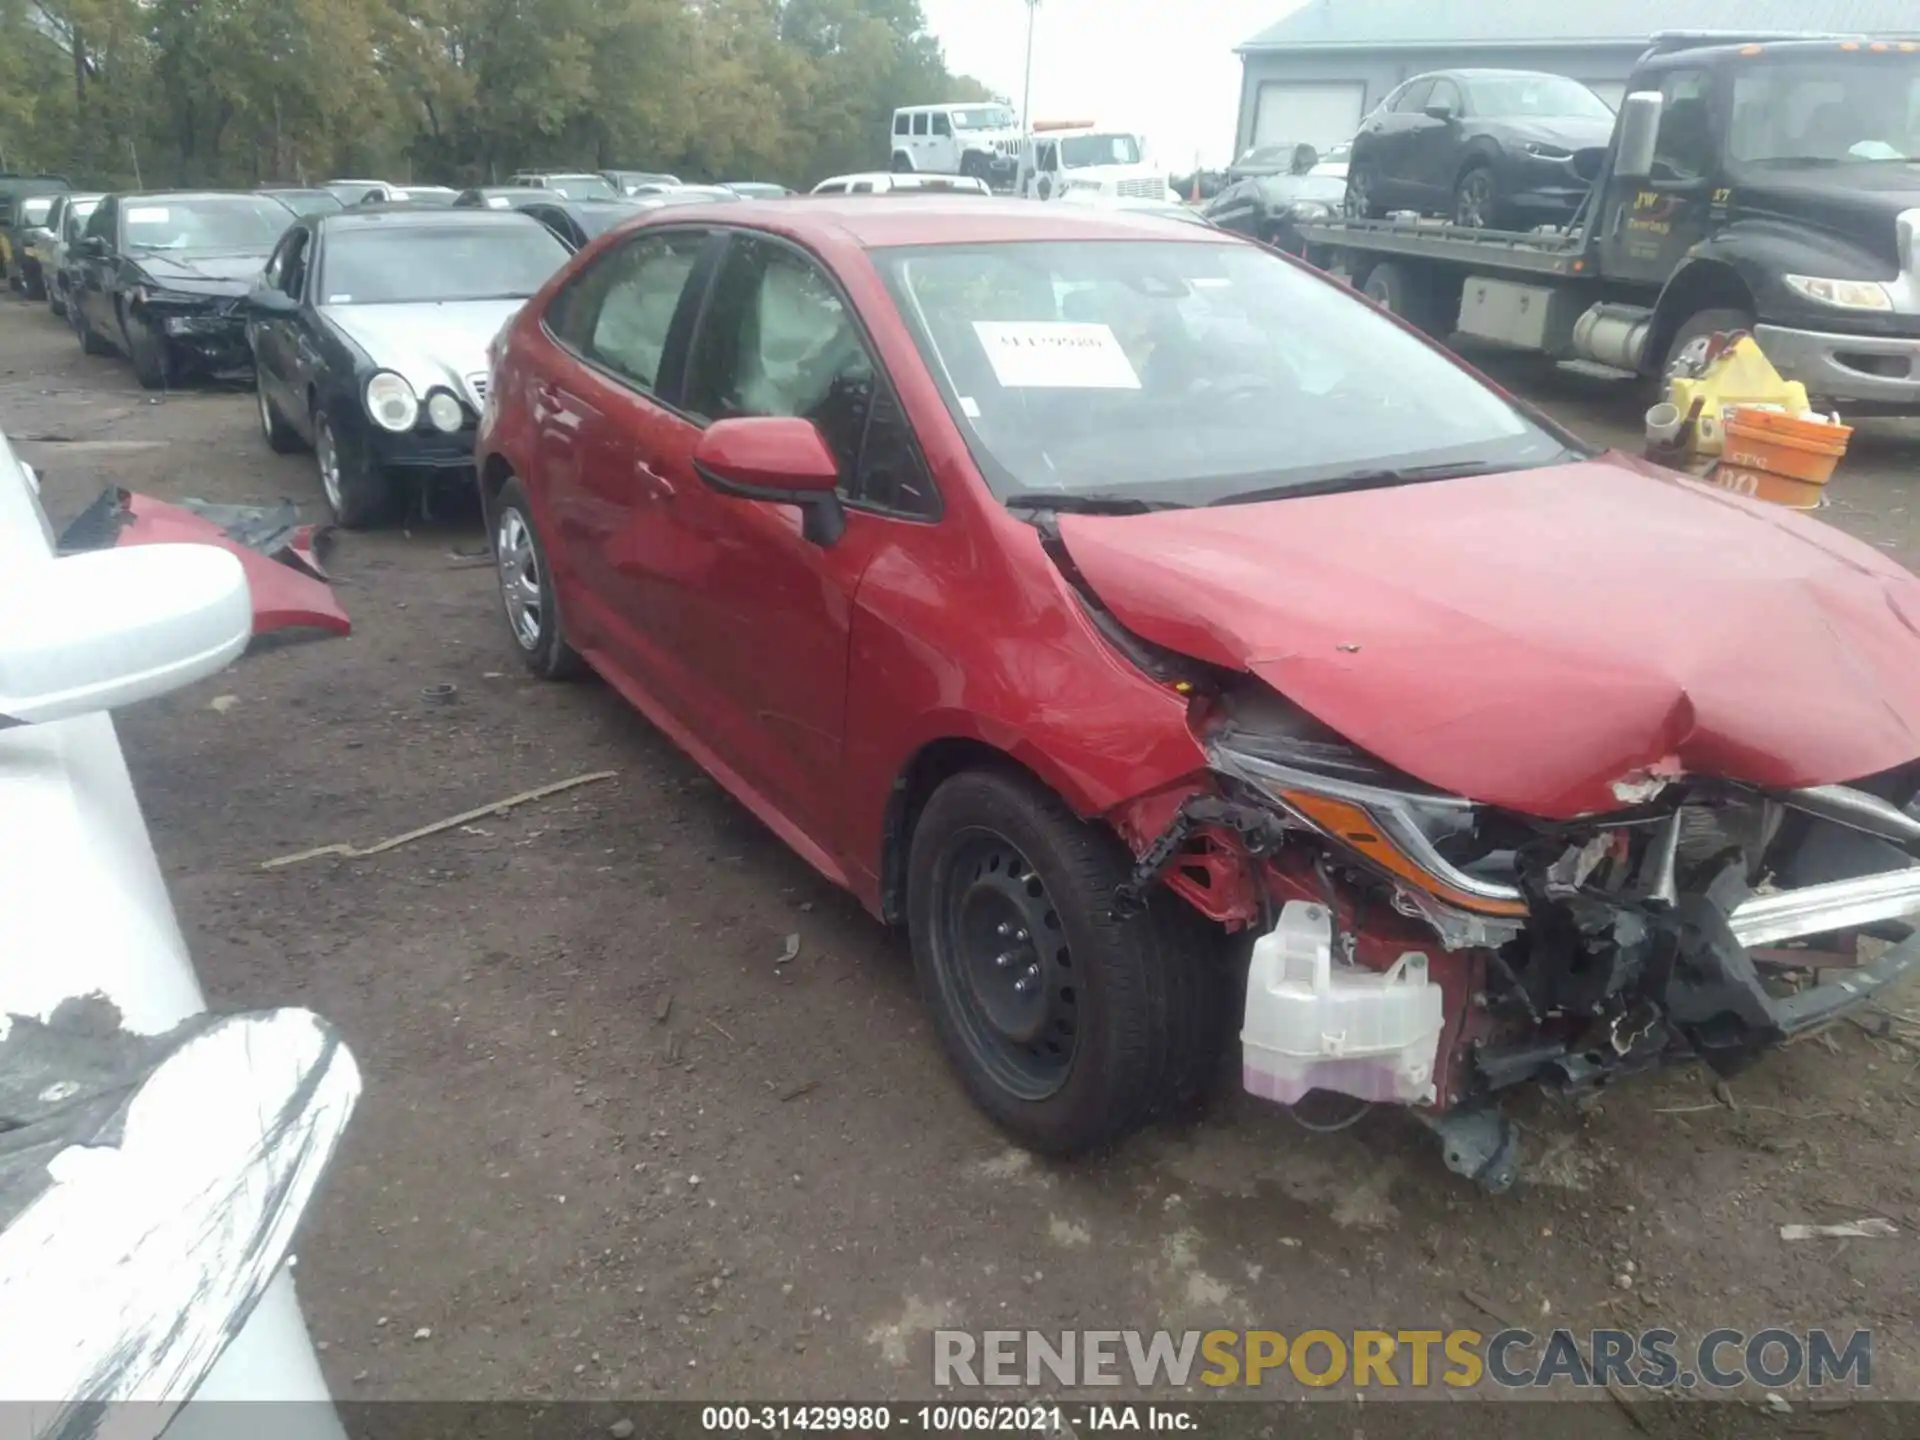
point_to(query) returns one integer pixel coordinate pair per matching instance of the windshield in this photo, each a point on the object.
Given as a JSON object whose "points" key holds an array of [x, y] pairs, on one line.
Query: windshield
{"points": [[493, 262], [1080, 150], [1184, 373], [987, 117], [583, 187], [203, 223], [1554, 96], [1827, 111], [350, 192]]}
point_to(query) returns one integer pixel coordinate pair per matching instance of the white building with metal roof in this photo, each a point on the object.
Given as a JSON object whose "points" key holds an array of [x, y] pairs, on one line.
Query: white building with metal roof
{"points": [[1313, 75]]}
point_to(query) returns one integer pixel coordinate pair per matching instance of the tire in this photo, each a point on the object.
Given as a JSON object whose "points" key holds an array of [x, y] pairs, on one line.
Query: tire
{"points": [[281, 437], [1477, 203], [34, 282], [147, 351], [1064, 1068], [527, 595], [976, 166], [1403, 290], [1363, 188], [90, 342], [1697, 325], [359, 493], [902, 163], [56, 300]]}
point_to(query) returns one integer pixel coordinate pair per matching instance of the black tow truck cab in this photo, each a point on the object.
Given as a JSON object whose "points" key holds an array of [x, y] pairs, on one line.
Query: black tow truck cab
{"points": [[1753, 182]]}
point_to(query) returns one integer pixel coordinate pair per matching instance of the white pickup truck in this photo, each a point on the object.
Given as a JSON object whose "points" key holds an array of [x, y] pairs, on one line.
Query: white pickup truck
{"points": [[1077, 156]]}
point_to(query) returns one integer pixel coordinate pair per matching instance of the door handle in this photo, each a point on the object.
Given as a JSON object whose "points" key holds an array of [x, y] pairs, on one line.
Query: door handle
{"points": [[652, 481]]}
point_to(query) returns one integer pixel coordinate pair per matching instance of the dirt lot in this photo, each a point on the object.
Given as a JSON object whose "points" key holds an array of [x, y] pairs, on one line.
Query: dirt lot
{"points": [[609, 1149]]}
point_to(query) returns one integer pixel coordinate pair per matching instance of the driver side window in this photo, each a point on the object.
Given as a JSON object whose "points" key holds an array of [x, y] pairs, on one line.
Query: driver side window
{"points": [[778, 340], [1414, 98], [1683, 150], [293, 270]]}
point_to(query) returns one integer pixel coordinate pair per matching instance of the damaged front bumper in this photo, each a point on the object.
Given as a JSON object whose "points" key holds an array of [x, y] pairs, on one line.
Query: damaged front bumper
{"points": [[1417, 950]]}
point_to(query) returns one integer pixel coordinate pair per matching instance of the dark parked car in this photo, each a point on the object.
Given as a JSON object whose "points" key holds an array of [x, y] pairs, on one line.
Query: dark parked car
{"points": [[303, 201], [1271, 208], [578, 221], [1491, 149], [33, 242], [67, 220], [1288, 157], [1091, 596], [159, 277], [14, 189], [369, 334]]}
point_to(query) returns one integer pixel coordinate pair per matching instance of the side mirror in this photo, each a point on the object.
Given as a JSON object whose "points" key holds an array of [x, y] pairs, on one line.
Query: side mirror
{"points": [[111, 627], [777, 459], [265, 300], [1442, 111], [1638, 132]]}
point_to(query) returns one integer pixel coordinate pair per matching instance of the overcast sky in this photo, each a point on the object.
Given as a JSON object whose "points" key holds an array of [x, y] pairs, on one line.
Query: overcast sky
{"points": [[1165, 69]]}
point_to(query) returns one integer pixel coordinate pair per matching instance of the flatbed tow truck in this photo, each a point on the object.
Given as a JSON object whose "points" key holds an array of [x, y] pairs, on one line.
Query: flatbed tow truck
{"points": [[1754, 182]]}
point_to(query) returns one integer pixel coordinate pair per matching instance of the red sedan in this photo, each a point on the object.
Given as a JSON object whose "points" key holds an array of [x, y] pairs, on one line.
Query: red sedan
{"points": [[1092, 594]]}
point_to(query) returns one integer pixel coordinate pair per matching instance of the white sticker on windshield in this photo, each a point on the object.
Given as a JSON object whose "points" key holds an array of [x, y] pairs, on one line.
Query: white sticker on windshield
{"points": [[970, 407], [146, 215], [496, 202], [1056, 355], [339, 299]]}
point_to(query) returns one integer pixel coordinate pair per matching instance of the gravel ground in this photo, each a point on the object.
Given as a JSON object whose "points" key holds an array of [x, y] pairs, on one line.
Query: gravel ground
{"points": [[609, 1149]]}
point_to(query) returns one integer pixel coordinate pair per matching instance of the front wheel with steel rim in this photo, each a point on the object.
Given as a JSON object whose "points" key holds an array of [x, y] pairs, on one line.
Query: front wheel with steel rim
{"points": [[527, 593], [1361, 202], [358, 492], [1068, 1025]]}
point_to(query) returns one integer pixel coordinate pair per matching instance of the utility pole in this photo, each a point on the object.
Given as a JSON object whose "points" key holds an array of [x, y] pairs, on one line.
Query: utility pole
{"points": [[1026, 99]]}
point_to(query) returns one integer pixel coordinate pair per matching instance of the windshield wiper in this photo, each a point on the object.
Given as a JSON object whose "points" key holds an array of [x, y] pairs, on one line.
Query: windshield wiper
{"points": [[1373, 479], [1090, 502]]}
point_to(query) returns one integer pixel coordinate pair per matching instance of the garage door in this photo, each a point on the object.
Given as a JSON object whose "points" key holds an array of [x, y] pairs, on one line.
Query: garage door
{"points": [[1321, 114]]}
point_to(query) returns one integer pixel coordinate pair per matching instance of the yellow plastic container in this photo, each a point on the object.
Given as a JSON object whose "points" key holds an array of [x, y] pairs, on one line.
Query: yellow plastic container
{"points": [[1741, 376]]}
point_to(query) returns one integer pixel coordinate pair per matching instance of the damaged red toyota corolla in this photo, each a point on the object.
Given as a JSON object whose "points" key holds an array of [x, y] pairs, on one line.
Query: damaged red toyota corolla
{"points": [[1094, 595]]}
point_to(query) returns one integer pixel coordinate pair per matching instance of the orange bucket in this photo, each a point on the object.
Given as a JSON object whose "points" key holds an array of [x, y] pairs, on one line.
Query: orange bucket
{"points": [[1775, 443], [1764, 485]]}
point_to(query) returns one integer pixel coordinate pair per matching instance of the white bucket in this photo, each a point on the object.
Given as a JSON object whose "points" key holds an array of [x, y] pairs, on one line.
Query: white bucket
{"points": [[1663, 424]]}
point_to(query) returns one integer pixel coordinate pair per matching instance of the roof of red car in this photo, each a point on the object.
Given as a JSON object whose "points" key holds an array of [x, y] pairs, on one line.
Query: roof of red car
{"points": [[931, 219]]}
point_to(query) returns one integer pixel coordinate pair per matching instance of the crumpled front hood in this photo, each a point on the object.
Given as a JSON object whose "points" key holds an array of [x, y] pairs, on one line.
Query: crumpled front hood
{"points": [[225, 274], [1529, 640], [430, 342]]}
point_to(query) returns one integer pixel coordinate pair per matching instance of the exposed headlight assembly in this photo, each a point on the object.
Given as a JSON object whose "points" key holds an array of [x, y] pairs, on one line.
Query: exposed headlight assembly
{"points": [[1392, 831], [1543, 151], [391, 401], [1842, 294]]}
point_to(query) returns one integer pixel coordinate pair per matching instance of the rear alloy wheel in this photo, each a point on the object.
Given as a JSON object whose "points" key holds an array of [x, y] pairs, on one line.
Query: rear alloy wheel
{"points": [[1069, 1026], [1476, 199], [1362, 191], [526, 589]]}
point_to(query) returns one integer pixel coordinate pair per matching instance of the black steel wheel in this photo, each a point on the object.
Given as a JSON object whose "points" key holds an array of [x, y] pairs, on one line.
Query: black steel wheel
{"points": [[1069, 1025], [1004, 965]]}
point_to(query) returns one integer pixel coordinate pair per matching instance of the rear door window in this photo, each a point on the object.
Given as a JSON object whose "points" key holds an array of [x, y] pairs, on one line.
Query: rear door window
{"points": [[619, 312]]}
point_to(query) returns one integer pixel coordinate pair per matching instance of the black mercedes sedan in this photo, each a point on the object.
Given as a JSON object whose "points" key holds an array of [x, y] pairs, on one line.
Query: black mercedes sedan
{"points": [[369, 330], [1490, 149], [159, 275]]}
